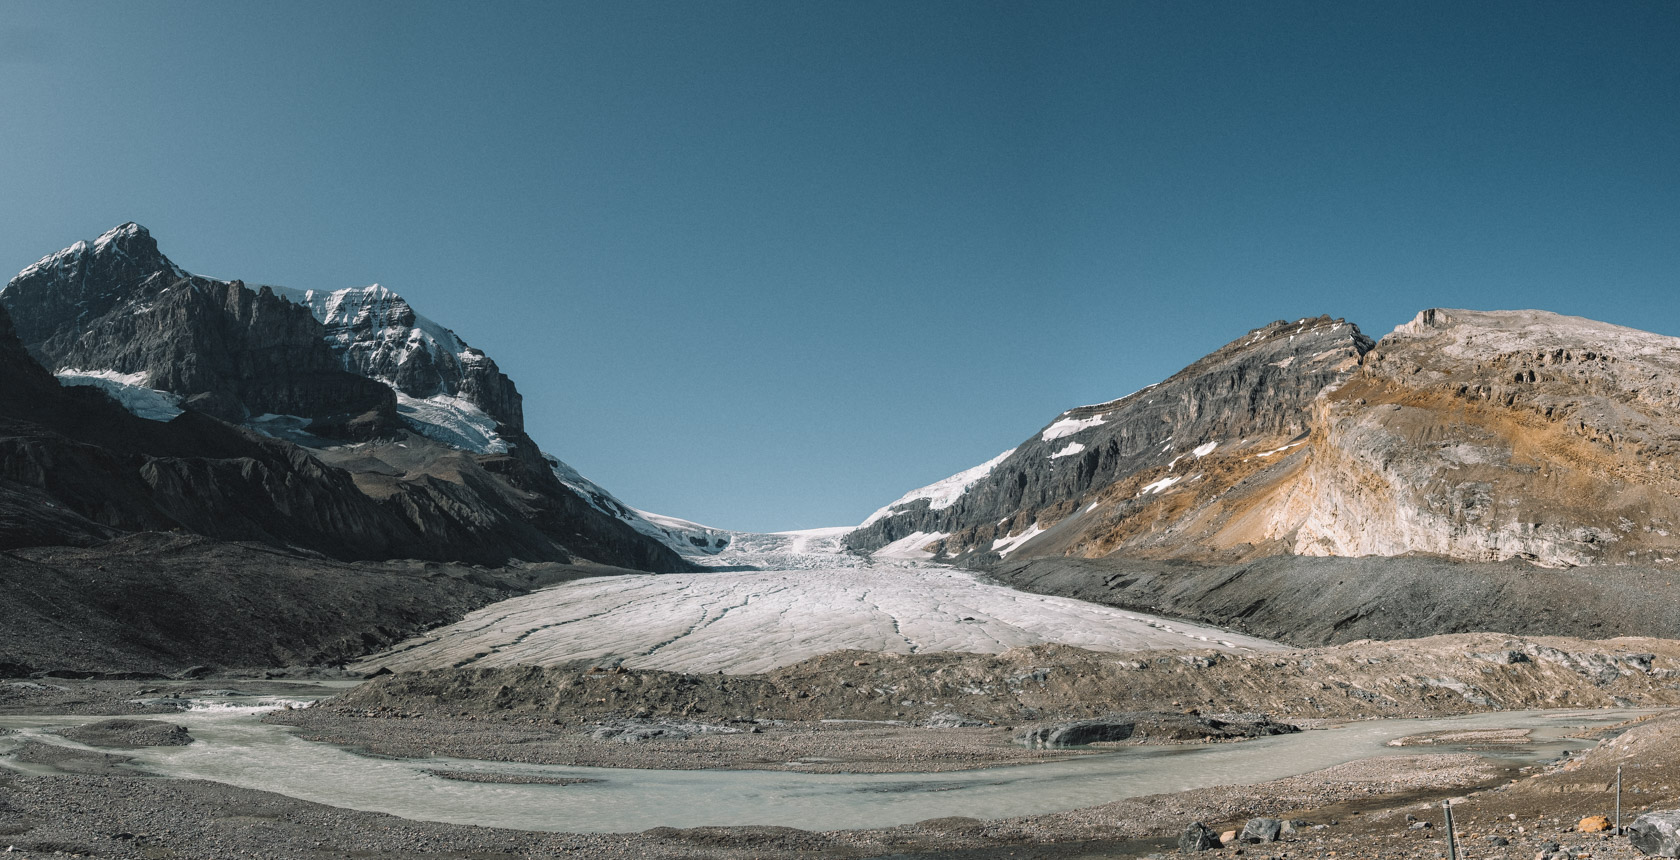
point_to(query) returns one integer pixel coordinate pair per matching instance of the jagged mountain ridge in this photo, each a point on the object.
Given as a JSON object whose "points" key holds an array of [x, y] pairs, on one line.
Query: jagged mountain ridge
{"points": [[1090, 464], [117, 314], [378, 335], [430, 379], [117, 304], [1470, 435]]}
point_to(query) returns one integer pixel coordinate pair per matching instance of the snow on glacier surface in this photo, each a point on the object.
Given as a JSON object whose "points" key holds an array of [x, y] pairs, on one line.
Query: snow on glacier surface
{"points": [[454, 421], [1070, 426], [129, 389], [941, 494], [909, 547], [755, 621]]}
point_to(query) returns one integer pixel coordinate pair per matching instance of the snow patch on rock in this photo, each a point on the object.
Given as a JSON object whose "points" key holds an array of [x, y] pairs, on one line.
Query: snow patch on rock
{"points": [[910, 547], [1005, 545], [1070, 426], [941, 494], [1158, 486], [128, 389], [1071, 449]]}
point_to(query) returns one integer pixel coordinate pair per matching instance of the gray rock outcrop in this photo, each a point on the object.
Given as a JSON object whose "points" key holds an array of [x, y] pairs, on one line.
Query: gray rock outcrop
{"points": [[76, 467], [1253, 394], [1259, 830], [118, 304], [378, 335], [1470, 435], [1197, 837], [1656, 833]]}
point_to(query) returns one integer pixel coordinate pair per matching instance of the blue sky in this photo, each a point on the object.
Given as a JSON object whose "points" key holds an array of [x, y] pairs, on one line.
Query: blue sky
{"points": [[769, 265]]}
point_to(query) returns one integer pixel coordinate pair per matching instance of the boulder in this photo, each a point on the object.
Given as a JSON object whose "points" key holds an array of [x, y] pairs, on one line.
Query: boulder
{"points": [[1261, 830], [1593, 824], [1197, 837], [1656, 833]]}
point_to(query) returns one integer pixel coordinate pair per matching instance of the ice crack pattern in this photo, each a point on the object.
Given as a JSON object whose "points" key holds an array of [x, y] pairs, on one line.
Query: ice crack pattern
{"points": [[753, 621]]}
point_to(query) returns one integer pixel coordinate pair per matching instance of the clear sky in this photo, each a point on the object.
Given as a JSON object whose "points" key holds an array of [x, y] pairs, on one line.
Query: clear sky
{"points": [[769, 265]]}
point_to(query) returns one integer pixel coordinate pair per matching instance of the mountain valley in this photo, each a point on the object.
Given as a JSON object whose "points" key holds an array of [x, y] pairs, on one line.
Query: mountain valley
{"points": [[204, 481]]}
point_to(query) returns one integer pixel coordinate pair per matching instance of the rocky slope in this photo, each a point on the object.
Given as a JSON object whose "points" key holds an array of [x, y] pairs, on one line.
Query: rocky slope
{"points": [[118, 305], [1431, 676], [159, 604], [1469, 435], [1517, 434], [1113, 474], [357, 441], [450, 391], [1310, 601]]}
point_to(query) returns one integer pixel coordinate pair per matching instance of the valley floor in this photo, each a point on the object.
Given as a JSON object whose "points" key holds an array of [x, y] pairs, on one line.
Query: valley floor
{"points": [[94, 806], [818, 662]]}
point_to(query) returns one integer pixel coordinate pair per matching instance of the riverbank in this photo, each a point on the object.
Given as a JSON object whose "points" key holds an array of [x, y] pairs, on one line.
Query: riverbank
{"points": [[1375, 807], [130, 816], [94, 805]]}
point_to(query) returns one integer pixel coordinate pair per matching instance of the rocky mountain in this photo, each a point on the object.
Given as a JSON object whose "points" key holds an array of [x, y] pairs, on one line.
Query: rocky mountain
{"points": [[366, 433], [1113, 474], [449, 390], [116, 309], [1468, 435]]}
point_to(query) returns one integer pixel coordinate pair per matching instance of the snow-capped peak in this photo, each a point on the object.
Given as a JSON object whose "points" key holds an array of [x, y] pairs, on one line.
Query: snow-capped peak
{"points": [[349, 314], [377, 334], [122, 242], [116, 235]]}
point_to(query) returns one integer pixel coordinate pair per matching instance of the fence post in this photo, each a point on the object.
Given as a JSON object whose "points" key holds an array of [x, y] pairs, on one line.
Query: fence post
{"points": [[1452, 838], [1618, 830]]}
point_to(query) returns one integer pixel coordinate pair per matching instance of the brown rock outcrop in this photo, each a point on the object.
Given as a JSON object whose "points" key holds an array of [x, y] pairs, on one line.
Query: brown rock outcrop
{"points": [[1471, 435]]}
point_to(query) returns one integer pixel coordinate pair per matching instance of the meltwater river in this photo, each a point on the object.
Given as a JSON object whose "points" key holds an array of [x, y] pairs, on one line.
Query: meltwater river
{"points": [[236, 748]]}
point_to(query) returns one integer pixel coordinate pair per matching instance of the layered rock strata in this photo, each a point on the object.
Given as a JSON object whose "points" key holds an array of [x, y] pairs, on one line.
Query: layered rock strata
{"points": [[1469, 435], [1118, 469]]}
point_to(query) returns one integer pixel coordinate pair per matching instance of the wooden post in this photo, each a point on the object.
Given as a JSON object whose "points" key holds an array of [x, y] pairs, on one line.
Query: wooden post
{"points": [[1452, 838]]}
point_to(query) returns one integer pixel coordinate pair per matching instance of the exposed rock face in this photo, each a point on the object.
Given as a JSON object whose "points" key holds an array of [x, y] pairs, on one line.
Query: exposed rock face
{"points": [[1470, 435], [1197, 837], [1250, 396], [1515, 434], [76, 467], [1656, 833], [160, 604], [379, 336], [118, 304]]}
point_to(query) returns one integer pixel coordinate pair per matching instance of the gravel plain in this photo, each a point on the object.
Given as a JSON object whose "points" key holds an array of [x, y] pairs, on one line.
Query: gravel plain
{"points": [[86, 803]]}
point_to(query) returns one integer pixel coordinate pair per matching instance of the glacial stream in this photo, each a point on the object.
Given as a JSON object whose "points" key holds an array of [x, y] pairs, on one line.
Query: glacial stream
{"points": [[234, 747]]}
